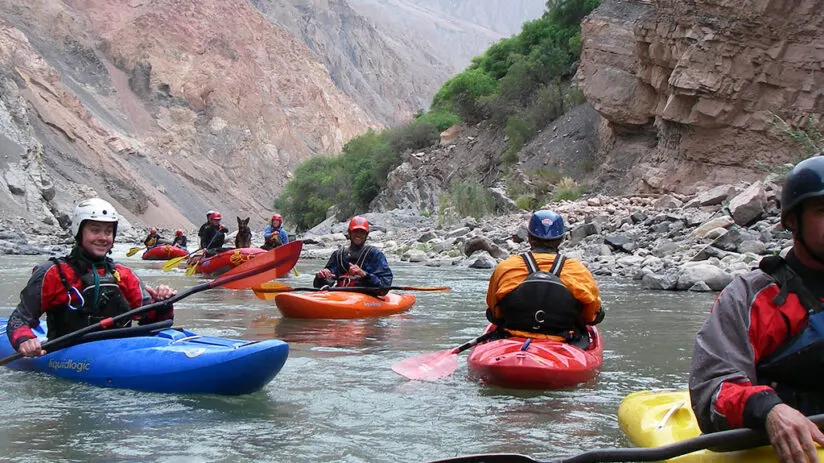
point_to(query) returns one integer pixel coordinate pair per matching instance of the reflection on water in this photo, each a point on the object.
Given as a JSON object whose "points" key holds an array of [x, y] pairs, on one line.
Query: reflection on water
{"points": [[336, 398]]}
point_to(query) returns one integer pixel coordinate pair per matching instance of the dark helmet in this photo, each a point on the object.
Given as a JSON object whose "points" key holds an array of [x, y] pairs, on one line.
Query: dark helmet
{"points": [[805, 181], [546, 225]]}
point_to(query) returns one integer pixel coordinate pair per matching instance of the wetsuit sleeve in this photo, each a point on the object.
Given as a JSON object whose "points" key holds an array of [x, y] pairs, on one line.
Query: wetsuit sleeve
{"points": [[28, 311], [284, 237], [582, 284], [504, 278], [331, 264], [135, 293], [267, 232], [723, 385], [378, 274]]}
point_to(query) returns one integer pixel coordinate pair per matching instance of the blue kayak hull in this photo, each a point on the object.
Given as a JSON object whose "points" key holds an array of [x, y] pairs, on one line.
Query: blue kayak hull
{"points": [[170, 360]]}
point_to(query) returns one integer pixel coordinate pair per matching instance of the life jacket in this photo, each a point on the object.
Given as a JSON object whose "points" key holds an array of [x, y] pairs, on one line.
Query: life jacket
{"points": [[541, 303], [98, 299], [346, 258], [794, 369]]}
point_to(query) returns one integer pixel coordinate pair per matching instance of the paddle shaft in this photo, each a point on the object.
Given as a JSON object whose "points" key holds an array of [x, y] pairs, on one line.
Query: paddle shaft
{"points": [[738, 439], [108, 322], [474, 342]]}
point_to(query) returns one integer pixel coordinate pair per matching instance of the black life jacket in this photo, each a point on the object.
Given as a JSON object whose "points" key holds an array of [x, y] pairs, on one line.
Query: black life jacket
{"points": [[541, 303], [100, 299], [347, 257], [795, 369]]}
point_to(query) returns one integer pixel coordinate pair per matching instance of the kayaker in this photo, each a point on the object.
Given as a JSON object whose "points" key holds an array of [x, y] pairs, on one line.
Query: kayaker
{"points": [[180, 240], [757, 358], [273, 235], [83, 287], [153, 239], [358, 264], [213, 233], [529, 295]]}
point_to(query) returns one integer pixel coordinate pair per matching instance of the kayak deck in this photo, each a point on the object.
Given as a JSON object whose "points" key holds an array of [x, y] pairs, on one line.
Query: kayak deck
{"points": [[341, 304], [540, 364], [657, 418], [167, 360]]}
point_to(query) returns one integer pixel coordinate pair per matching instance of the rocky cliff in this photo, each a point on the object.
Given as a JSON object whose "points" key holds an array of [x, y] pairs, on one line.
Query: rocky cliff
{"points": [[688, 89]]}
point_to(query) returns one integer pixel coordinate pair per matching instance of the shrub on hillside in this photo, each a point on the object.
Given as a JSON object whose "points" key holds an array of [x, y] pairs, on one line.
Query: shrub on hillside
{"points": [[414, 136], [470, 198], [442, 120]]}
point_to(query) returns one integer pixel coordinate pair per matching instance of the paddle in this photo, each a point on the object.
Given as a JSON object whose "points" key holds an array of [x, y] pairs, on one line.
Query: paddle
{"points": [[436, 365], [133, 251], [738, 439], [262, 268], [268, 291]]}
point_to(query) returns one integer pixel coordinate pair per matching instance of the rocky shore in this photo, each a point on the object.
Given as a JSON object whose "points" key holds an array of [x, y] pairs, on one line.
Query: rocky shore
{"points": [[668, 242]]}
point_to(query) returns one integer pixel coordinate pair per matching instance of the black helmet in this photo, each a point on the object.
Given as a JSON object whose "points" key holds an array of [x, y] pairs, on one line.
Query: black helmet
{"points": [[806, 180]]}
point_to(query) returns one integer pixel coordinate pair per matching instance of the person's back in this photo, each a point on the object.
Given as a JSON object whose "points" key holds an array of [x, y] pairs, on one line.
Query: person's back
{"points": [[541, 293]]}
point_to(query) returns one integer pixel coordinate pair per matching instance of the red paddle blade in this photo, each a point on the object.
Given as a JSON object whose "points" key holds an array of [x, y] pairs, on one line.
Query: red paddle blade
{"points": [[272, 264], [428, 367]]}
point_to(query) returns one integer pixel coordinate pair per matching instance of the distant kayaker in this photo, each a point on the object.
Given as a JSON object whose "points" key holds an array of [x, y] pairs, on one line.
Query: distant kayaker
{"points": [[273, 235], [356, 265], [180, 240], [153, 239], [83, 287], [213, 234], [542, 294], [758, 357]]}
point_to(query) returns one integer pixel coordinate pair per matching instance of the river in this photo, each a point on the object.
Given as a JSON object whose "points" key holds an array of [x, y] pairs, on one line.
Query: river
{"points": [[336, 399]]}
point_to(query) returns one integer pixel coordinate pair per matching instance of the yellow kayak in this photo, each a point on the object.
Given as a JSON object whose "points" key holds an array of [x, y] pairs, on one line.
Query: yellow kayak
{"points": [[656, 418]]}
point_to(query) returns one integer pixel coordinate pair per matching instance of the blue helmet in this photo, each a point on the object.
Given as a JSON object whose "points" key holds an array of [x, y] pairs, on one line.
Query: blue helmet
{"points": [[546, 225], [805, 181]]}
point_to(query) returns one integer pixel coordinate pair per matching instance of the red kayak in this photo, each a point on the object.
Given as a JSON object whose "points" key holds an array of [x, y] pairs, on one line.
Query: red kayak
{"points": [[224, 261], [164, 252], [537, 364]]}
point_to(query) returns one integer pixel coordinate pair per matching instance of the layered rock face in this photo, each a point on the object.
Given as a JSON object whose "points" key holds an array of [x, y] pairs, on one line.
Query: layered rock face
{"points": [[688, 88], [161, 106]]}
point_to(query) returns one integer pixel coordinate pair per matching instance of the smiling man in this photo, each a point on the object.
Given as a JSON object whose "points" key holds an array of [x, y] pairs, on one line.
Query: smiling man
{"points": [[357, 265], [83, 287]]}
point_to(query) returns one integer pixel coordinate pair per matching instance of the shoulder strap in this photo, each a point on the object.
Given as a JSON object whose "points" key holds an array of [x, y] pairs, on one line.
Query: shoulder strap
{"points": [[558, 265], [60, 272], [788, 281], [529, 260]]}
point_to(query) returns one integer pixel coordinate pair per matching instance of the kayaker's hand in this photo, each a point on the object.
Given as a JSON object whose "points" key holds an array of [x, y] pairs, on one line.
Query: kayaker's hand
{"points": [[325, 273], [31, 348], [793, 435], [161, 292], [356, 271]]}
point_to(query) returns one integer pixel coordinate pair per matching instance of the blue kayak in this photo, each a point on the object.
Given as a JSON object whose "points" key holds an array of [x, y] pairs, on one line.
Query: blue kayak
{"points": [[157, 358]]}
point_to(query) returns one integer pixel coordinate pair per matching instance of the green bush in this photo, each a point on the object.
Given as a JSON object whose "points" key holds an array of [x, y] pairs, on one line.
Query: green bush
{"points": [[442, 120], [470, 198], [519, 132], [568, 189], [461, 94], [415, 136], [528, 202]]}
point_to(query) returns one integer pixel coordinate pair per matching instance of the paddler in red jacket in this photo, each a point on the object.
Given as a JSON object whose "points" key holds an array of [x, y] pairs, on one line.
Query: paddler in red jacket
{"points": [[758, 358], [83, 287]]}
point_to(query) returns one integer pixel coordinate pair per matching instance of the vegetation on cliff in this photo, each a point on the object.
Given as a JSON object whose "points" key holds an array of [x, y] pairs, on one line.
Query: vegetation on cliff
{"points": [[520, 84]]}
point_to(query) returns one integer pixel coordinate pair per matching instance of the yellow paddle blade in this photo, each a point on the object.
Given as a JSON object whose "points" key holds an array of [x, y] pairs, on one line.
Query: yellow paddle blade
{"points": [[173, 263], [190, 270], [132, 251], [267, 291]]}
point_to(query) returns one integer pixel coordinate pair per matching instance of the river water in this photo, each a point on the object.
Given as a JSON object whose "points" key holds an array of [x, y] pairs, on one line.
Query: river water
{"points": [[336, 399]]}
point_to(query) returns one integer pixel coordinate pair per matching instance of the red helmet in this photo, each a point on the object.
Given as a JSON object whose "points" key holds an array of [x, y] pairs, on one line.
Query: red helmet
{"points": [[209, 215], [358, 223], [216, 215], [277, 217], [153, 230], [178, 232]]}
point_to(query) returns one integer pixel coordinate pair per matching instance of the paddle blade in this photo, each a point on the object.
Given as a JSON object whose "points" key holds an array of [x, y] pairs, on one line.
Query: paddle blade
{"points": [[190, 270], [428, 367], [173, 263], [268, 290], [132, 251], [273, 264]]}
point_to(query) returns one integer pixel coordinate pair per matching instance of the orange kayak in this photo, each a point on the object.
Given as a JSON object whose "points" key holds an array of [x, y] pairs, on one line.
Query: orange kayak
{"points": [[341, 304]]}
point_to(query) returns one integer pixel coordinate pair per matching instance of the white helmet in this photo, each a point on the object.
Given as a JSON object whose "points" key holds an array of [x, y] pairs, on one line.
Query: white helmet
{"points": [[93, 209]]}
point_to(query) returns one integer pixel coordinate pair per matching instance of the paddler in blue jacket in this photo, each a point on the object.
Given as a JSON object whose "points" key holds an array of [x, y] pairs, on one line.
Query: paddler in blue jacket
{"points": [[356, 265]]}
